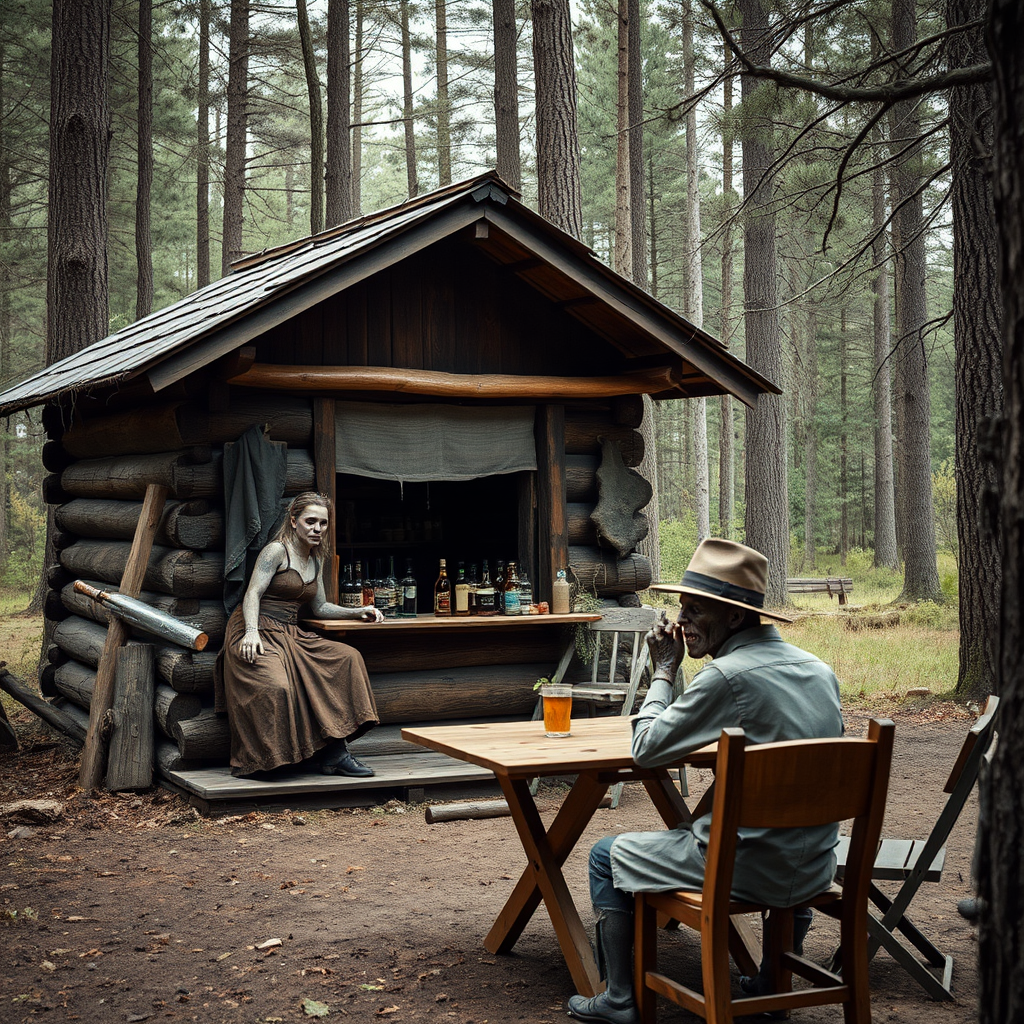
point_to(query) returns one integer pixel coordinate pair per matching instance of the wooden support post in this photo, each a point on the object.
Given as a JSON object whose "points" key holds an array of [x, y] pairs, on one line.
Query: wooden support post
{"points": [[130, 765], [553, 531], [131, 585], [326, 475]]}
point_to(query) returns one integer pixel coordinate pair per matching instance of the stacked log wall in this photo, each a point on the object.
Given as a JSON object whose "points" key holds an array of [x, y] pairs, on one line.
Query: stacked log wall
{"points": [[99, 471]]}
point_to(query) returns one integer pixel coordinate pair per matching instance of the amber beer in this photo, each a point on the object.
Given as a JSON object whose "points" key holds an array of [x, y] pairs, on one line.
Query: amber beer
{"points": [[557, 710]]}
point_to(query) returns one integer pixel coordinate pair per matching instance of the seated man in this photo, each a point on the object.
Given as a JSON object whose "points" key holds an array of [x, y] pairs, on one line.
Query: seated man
{"points": [[757, 682]]}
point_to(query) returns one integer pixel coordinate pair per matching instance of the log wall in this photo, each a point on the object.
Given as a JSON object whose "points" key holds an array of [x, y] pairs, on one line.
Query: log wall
{"points": [[100, 467]]}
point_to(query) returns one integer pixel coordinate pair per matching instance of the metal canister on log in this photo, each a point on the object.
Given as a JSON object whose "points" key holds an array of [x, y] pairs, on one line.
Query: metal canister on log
{"points": [[150, 619]]}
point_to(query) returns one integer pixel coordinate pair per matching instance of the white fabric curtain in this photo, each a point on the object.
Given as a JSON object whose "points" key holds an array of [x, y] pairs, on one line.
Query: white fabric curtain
{"points": [[413, 443]]}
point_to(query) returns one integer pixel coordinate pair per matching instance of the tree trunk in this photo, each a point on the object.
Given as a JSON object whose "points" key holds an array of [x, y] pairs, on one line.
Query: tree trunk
{"points": [[810, 399], [506, 93], [444, 113], [913, 389], [203, 151], [623, 198], [316, 121], [636, 145], [726, 450], [767, 508], [650, 546], [694, 308], [844, 454], [357, 116], [339, 128], [234, 152], [558, 144], [977, 330], [1001, 942], [407, 103], [143, 239], [5, 308], [886, 554]]}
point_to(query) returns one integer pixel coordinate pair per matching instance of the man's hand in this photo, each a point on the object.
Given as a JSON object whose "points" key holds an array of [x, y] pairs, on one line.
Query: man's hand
{"points": [[665, 642]]}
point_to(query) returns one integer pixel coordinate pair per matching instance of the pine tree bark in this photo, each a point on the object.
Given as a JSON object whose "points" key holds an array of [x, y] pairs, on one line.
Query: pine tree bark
{"points": [[623, 212], [144, 190], [636, 145], [844, 445], [1001, 940], [357, 116], [767, 507], [338, 177], [913, 389], [203, 150], [558, 144], [407, 103], [234, 152], [5, 307], [809, 389], [444, 112], [316, 120], [726, 449], [506, 93], [886, 554]]}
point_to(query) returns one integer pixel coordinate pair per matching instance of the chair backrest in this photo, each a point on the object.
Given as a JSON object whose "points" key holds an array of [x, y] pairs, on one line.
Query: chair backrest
{"points": [[976, 743], [799, 783], [629, 624]]}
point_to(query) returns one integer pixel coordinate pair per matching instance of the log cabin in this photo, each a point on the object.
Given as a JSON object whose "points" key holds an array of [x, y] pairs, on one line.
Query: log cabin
{"points": [[461, 316]]}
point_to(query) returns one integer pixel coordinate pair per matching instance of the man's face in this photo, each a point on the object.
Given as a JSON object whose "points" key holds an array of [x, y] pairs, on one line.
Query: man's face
{"points": [[706, 624]]}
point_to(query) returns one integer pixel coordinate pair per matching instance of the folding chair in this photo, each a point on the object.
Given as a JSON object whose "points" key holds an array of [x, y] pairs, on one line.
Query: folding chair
{"points": [[618, 682], [801, 783], [914, 861]]}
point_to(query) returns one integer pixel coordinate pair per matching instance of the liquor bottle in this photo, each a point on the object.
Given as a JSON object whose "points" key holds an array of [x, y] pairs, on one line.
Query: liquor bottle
{"points": [[474, 589], [392, 589], [485, 595], [345, 590], [365, 586], [560, 594], [512, 605], [380, 589], [461, 607], [407, 605], [443, 592], [525, 592], [499, 589]]}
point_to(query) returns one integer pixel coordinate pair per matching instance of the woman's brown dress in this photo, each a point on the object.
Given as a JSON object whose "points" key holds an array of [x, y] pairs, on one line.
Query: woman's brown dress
{"points": [[300, 694]]}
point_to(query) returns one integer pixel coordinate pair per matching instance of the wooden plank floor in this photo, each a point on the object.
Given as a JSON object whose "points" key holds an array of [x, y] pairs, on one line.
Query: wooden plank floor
{"points": [[393, 771]]}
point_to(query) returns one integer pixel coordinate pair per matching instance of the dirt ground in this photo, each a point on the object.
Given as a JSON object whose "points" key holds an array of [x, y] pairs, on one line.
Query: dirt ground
{"points": [[131, 908]]}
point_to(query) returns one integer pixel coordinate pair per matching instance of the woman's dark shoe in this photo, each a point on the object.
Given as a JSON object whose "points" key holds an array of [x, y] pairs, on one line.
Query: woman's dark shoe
{"points": [[346, 765]]}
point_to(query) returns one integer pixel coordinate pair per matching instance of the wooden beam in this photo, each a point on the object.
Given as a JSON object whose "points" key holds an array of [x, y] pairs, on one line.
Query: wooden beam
{"points": [[44, 709], [91, 770], [452, 385], [552, 527]]}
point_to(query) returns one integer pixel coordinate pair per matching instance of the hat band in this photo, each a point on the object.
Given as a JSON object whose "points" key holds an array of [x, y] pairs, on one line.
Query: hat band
{"points": [[719, 588]]}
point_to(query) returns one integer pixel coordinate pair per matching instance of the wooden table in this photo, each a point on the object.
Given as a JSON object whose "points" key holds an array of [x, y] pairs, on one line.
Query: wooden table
{"points": [[448, 624], [598, 753]]}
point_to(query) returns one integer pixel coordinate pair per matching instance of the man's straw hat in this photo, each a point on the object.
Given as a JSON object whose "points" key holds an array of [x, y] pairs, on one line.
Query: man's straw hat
{"points": [[728, 572]]}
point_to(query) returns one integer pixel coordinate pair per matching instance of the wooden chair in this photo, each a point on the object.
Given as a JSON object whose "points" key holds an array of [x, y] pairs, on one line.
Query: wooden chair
{"points": [[776, 785], [913, 861]]}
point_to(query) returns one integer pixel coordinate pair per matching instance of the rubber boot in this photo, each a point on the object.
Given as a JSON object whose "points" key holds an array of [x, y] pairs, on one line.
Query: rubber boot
{"points": [[615, 1005], [758, 985]]}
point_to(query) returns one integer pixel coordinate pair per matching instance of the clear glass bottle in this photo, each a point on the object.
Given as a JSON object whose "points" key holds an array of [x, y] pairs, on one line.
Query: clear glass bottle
{"points": [[408, 592], [380, 588], [461, 604], [512, 605], [525, 592], [474, 589], [443, 593], [392, 589], [499, 589], [485, 594]]}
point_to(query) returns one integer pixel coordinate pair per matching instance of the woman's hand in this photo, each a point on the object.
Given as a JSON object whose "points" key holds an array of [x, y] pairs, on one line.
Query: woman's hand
{"points": [[250, 647], [370, 614], [665, 643]]}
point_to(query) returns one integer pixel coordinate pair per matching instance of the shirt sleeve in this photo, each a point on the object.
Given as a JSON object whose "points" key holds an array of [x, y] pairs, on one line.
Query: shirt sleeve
{"points": [[665, 731]]}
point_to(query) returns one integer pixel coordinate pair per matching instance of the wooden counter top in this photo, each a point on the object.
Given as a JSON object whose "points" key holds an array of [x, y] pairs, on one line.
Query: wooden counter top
{"points": [[430, 623]]}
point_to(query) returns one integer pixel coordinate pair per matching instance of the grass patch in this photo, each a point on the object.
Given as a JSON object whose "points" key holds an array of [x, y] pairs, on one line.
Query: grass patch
{"points": [[21, 639]]}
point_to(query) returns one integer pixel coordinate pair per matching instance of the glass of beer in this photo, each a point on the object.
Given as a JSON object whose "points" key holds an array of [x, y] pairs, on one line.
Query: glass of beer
{"points": [[557, 709]]}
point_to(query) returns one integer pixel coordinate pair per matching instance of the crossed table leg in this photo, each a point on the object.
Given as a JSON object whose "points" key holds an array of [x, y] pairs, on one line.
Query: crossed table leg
{"points": [[547, 851]]}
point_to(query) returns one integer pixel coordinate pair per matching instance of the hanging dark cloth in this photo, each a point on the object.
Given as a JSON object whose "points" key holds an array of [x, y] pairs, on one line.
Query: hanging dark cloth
{"points": [[254, 478]]}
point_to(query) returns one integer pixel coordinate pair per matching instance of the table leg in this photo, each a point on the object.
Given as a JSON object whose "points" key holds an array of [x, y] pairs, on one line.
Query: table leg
{"points": [[667, 799], [546, 852]]}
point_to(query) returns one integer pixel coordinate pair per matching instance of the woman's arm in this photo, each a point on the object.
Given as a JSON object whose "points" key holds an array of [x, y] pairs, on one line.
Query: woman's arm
{"points": [[268, 562], [323, 609]]}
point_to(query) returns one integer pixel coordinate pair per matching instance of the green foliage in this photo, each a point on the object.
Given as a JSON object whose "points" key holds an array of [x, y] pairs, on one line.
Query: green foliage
{"points": [[678, 541], [944, 496]]}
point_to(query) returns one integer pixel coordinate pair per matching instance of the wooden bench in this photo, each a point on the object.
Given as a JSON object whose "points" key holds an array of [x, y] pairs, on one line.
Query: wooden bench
{"points": [[834, 586]]}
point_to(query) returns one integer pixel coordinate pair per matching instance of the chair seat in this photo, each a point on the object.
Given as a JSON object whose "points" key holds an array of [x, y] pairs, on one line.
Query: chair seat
{"points": [[681, 898], [599, 694], [895, 860]]}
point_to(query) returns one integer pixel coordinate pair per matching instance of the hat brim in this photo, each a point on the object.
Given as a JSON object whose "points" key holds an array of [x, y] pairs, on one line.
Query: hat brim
{"points": [[678, 588]]}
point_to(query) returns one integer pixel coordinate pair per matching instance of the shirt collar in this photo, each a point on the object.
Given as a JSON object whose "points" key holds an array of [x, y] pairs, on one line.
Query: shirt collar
{"points": [[748, 637]]}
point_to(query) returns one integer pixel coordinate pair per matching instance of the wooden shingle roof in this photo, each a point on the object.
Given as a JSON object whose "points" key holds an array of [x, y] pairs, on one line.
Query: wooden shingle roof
{"points": [[268, 288]]}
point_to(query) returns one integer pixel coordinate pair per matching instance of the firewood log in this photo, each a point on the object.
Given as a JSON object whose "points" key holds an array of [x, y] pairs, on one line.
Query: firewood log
{"points": [[170, 571], [606, 575], [184, 524]]}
